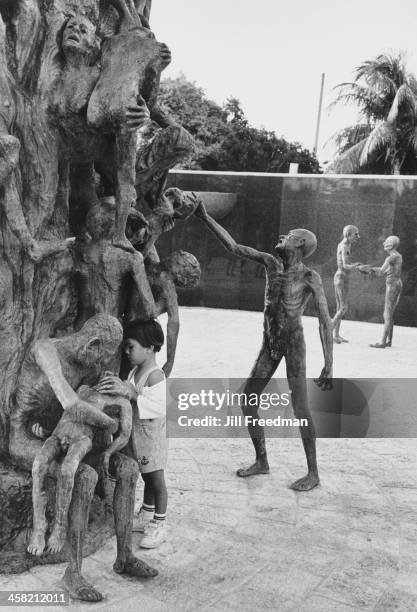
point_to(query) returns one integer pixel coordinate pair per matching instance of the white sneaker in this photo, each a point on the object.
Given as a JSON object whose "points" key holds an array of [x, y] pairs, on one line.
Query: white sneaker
{"points": [[140, 520], [155, 534]]}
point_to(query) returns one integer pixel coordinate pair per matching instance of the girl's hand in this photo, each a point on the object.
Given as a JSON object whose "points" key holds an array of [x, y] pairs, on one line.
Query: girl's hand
{"points": [[112, 385]]}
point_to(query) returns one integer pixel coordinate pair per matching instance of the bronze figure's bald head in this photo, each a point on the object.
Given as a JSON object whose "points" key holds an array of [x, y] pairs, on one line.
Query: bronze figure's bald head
{"points": [[392, 242], [351, 232], [297, 239]]}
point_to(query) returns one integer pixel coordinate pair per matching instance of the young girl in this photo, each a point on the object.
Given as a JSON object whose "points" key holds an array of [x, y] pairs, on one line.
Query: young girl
{"points": [[146, 388]]}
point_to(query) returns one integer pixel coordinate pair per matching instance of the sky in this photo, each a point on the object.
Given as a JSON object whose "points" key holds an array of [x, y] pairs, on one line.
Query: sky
{"points": [[270, 54]]}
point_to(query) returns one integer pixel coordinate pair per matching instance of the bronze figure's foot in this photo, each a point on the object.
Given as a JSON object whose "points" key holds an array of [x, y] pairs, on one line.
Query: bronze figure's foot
{"points": [[378, 345], [37, 543], [259, 467], [339, 339], [135, 567], [306, 484], [57, 539], [79, 588]]}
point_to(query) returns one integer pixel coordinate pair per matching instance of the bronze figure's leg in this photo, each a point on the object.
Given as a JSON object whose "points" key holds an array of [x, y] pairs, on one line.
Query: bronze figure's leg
{"points": [[261, 374], [395, 304], [43, 460], [84, 484], [392, 297], [65, 485], [23, 448], [126, 471], [125, 190], [95, 418], [83, 195], [128, 12], [341, 292], [296, 373]]}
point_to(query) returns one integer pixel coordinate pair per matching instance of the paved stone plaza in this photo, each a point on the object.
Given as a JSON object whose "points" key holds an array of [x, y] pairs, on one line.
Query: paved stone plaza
{"points": [[234, 544]]}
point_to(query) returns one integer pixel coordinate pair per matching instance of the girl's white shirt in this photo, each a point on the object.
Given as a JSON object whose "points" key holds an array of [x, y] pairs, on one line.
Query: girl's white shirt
{"points": [[151, 401]]}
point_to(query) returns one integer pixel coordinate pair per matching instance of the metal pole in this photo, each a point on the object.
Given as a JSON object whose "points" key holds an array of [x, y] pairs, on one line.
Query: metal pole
{"points": [[316, 141]]}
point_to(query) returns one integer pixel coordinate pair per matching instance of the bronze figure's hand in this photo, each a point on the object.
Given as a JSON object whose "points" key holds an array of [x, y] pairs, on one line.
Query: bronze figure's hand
{"points": [[40, 432], [165, 54], [138, 115], [366, 269], [201, 212], [325, 380], [112, 385]]}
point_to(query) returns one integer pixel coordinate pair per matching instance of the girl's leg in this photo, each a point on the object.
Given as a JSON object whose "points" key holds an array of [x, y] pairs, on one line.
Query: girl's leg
{"points": [[155, 492], [161, 493], [148, 491], [155, 531]]}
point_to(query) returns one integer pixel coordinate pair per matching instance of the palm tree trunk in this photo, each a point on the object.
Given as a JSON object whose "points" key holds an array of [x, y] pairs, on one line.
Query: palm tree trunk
{"points": [[394, 161]]}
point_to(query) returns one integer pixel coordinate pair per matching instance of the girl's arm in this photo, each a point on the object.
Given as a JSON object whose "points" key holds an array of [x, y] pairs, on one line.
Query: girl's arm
{"points": [[152, 401]]}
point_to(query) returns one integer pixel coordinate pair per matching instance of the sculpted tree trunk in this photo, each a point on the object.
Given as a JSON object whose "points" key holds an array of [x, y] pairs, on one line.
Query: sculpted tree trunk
{"points": [[60, 158], [34, 189], [37, 298]]}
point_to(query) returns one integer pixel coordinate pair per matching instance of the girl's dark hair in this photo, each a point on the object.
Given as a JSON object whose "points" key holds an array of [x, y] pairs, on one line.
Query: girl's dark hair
{"points": [[147, 333]]}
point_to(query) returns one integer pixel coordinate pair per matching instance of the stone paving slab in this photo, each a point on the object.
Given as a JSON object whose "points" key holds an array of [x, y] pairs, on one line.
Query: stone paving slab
{"points": [[349, 545]]}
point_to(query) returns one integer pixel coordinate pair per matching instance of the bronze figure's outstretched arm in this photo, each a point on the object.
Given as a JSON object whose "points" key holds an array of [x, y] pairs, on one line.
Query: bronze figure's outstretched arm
{"points": [[229, 243], [378, 271], [173, 327], [142, 285], [384, 268], [346, 259]]}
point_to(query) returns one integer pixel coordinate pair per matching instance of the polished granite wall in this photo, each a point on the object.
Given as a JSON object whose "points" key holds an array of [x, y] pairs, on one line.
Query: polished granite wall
{"points": [[270, 204]]}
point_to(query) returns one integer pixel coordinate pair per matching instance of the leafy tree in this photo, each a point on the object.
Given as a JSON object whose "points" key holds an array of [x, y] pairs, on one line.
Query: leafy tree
{"points": [[224, 138], [203, 118], [385, 138]]}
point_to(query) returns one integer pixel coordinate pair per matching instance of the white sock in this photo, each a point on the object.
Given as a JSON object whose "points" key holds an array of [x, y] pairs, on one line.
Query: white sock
{"points": [[148, 511]]}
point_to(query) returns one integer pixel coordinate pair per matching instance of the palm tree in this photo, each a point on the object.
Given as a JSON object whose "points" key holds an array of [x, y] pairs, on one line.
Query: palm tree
{"points": [[385, 138]]}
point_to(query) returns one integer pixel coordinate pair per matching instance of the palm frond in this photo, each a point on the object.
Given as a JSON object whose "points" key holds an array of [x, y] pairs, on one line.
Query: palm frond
{"points": [[381, 137], [350, 136], [386, 73], [349, 162], [386, 97], [412, 82], [370, 104], [413, 141], [404, 99]]}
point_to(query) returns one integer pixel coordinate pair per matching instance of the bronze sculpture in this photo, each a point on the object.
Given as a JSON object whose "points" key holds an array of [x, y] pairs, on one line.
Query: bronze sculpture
{"points": [[391, 269], [104, 272], [341, 277], [73, 437], [289, 285], [61, 151], [179, 269], [50, 374]]}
